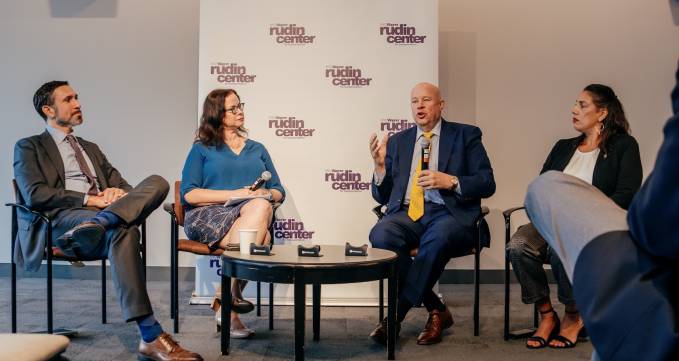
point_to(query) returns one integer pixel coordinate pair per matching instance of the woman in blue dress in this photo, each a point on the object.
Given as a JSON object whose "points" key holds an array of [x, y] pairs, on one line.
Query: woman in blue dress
{"points": [[221, 165]]}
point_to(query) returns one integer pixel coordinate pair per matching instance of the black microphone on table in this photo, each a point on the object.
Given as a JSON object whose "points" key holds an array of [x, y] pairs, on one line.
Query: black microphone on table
{"points": [[425, 152], [260, 181]]}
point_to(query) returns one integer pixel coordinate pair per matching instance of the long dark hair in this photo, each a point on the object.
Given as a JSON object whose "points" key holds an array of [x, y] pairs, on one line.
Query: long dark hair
{"points": [[211, 129], [615, 122]]}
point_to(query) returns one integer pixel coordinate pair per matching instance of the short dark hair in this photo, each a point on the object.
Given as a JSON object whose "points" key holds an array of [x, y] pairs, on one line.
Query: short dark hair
{"points": [[615, 122], [211, 129], [43, 96]]}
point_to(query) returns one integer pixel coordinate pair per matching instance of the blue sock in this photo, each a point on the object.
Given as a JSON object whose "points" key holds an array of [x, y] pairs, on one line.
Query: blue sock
{"points": [[149, 328], [106, 219]]}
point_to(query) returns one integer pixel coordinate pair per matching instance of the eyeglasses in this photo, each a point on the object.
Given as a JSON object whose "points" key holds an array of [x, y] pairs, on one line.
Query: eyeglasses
{"points": [[235, 109]]}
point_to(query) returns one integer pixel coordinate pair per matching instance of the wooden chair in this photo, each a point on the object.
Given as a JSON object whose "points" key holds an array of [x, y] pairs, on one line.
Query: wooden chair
{"points": [[176, 212], [53, 253], [481, 226]]}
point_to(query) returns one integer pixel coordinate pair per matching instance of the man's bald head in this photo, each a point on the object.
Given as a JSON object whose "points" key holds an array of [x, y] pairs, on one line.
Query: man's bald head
{"points": [[426, 105]]}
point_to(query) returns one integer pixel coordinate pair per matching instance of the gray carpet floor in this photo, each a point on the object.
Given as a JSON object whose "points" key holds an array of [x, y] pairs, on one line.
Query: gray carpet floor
{"points": [[343, 333]]}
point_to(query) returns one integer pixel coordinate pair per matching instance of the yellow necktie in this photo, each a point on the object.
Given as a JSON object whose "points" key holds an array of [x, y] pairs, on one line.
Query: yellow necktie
{"points": [[416, 207]]}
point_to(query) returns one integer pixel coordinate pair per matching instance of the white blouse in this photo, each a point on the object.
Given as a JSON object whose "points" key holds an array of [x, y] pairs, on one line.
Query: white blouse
{"points": [[582, 165]]}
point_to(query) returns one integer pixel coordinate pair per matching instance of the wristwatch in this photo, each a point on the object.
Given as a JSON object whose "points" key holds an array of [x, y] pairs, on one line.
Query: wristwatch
{"points": [[453, 182]]}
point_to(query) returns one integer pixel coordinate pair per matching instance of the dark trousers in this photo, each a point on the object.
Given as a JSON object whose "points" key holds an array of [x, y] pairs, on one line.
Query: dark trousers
{"points": [[438, 236], [528, 251], [119, 244]]}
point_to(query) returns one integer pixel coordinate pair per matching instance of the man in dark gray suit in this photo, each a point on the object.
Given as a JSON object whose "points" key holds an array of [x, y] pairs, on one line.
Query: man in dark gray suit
{"points": [[95, 212]]}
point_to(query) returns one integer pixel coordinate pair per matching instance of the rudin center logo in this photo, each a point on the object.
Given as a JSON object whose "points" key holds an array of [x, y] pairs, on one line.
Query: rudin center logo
{"points": [[401, 34], [290, 127], [291, 229], [231, 73], [346, 180], [346, 76], [393, 126], [290, 34]]}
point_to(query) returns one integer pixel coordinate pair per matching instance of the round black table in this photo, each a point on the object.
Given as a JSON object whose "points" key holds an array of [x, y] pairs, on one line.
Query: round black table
{"points": [[285, 266]]}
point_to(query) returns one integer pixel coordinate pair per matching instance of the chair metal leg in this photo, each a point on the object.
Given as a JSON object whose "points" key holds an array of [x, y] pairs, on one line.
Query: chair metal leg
{"points": [[50, 324], [103, 291], [506, 323], [259, 298], [477, 282], [172, 243], [381, 304], [224, 335], [14, 229], [175, 276], [270, 306], [14, 296]]}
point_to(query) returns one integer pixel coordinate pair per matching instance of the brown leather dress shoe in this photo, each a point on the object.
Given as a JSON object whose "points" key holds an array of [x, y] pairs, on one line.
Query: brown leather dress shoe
{"points": [[164, 348], [436, 323], [381, 334]]}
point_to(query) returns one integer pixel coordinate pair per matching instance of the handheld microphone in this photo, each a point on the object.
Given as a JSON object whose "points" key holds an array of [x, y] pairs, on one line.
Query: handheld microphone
{"points": [[425, 153], [260, 181]]}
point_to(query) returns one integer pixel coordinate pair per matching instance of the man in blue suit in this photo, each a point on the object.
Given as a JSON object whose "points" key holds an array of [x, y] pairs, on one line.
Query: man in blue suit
{"points": [[624, 266], [431, 209]]}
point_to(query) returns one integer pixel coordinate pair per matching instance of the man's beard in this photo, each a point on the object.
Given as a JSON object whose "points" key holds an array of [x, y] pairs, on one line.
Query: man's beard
{"points": [[69, 123]]}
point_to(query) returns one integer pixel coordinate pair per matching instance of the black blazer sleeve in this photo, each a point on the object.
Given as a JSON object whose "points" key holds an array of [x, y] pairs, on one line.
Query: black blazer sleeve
{"points": [[551, 157], [629, 174]]}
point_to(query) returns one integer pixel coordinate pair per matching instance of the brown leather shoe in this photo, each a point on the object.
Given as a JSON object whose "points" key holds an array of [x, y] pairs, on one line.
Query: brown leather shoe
{"points": [[436, 323], [381, 334], [164, 348]]}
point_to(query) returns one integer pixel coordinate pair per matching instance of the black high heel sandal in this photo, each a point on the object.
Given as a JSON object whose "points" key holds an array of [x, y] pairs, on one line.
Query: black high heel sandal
{"points": [[555, 331], [582, 336]]}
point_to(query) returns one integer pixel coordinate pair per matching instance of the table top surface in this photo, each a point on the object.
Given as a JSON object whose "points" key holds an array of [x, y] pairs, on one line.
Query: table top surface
{"points": [[332, 255]]}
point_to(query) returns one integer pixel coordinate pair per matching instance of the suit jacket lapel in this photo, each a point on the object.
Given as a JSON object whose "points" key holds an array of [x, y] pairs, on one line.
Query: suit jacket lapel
{"points": [[95, 163], [445, 145], [53, 154]]}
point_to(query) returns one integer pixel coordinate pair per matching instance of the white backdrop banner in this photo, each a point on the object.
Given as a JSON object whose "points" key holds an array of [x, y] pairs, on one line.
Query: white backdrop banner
{"points": [[318, 78]]}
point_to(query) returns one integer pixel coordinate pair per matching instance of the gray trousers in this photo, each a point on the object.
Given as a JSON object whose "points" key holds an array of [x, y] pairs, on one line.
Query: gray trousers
{"points": [[120, 244], [569, 213], [528, 252]]}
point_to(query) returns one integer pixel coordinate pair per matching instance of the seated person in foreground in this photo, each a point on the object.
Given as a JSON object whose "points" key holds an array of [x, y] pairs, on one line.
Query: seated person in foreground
{"points": [[604, 155], [95, 213], [624, 266], [221, 165], [433, 210]]}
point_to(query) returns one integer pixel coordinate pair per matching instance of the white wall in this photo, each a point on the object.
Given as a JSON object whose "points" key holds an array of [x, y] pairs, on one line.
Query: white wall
{"points": [[134, 65], [532, 58], [512, 67]]}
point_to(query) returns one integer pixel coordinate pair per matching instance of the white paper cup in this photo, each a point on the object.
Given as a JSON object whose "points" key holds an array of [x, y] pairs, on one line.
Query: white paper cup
{"points": [[247, 236]]}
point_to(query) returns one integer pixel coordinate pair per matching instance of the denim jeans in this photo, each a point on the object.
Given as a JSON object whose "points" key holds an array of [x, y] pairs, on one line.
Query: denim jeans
{"points": [[528, 252]]}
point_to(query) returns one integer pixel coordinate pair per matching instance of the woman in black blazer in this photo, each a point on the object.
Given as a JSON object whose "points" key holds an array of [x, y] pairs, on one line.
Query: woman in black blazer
{"points": [[605, 155]]}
